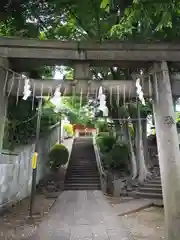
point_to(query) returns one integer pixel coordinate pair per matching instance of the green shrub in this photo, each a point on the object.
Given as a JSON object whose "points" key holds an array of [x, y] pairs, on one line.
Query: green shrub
{"points": [[103, 127], [117, 158], [103, 134], [58, 156], [106, 143], [69, 129], [21, 122]]}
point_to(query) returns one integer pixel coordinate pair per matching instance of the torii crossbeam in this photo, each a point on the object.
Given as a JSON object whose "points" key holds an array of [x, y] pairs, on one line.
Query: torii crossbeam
{"points": [[125, 88]]}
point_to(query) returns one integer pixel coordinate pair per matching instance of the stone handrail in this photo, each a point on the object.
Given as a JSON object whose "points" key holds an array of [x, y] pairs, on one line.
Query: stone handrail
{"points": [[103, 176]]}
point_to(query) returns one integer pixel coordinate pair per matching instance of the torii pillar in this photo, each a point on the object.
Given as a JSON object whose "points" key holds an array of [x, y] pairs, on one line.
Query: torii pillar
{"points": [[82, 71], [3, 98], [168, 148]]}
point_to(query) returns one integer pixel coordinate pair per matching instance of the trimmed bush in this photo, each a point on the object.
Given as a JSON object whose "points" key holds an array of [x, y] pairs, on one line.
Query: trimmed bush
{"points": [[103, 127], [105, 143], [117, 158], [58, 156], [103, 134]]}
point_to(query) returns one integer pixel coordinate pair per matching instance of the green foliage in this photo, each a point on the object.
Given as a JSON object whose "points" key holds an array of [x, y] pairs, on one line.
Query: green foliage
{"points": [[102, 126], [118, 157], [22, 121], [103, 134], [144, 110], [77, 111], [98, 20], [149, 21], [105, 143], [48, 118], [69, 73], [89, 20], [58, 156], [69, 129], [178, 119]]}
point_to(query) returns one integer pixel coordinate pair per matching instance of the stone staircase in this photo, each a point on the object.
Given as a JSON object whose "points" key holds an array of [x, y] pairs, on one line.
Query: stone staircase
{"points": [[150, 189], [82, 173]]}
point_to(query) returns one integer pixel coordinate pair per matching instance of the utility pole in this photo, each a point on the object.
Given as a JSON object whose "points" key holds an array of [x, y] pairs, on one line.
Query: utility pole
{"points": [[34, 159], [60, 125]]}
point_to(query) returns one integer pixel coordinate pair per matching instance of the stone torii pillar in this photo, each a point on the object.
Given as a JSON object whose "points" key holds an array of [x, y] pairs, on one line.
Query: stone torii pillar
{"points": [[168, 148], [82, 71], [3, 98]]}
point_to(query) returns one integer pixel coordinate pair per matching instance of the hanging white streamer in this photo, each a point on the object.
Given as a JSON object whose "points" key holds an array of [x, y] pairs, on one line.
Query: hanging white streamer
{"points": [[139, 91], [100, 92], [56, 100], [124, 95], [102, 104], [17, 96], [80, 104], [111, 92], [27, 91]]}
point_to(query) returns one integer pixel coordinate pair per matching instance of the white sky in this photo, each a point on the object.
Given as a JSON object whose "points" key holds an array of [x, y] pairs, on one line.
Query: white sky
{"points": [[58, 75]]}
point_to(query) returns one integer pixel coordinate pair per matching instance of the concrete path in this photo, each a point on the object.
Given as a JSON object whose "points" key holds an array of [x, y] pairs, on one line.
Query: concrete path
{"points": [[82, 215]]}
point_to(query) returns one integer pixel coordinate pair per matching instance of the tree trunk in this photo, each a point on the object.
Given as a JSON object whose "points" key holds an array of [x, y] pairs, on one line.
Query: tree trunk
{"points": [[168, 149], [144, 138], [125, 131], [117, 129], [132, 155], [143, 171], [3, 99]]}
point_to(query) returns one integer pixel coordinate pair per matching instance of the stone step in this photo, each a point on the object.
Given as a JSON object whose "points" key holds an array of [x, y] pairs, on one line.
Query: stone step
{"points": [[85, 167], [76, 176], [82, 185], [149, 195], [81, 180], [94, 168], [83, 170], [79, 187], [82, 164], [150, 190], [84, 158], [82, 173], [152, 185], [81, 177], [155, 182]]}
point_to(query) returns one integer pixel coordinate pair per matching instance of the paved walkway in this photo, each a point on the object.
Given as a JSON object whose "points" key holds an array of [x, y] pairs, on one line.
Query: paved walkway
{"points": [[82, 215]]}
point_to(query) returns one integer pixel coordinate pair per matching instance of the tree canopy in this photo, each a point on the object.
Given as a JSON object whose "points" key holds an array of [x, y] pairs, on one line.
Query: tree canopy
{"points": [[99, 20]]}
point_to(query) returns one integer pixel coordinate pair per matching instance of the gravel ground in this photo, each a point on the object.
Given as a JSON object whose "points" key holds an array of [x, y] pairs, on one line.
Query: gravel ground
{"points": [[144, 224], [15, 223]]}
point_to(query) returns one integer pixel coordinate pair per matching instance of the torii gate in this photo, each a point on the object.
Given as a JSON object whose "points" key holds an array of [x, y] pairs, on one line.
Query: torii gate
{"points": [[22, 54]]}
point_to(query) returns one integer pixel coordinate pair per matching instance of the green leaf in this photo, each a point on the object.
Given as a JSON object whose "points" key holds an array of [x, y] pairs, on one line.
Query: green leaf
{"points": [[105, 4]]}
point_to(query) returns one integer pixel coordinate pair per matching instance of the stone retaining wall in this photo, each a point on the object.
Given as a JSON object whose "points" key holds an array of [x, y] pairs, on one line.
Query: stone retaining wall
{"points": [[16, 170]]}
